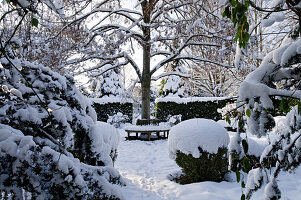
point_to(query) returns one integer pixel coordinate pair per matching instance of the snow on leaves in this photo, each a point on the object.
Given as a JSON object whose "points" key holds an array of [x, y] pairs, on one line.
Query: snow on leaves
{"points": [[51, 130]]}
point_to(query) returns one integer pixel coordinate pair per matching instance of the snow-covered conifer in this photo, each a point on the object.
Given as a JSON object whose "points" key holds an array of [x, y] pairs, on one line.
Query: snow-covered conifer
{"points": [[175, 85], [109, 84], [50, 145]]}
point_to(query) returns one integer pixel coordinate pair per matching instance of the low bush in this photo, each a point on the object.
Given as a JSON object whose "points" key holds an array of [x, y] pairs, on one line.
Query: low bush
{"points": [[199, 147], [208, 167]]}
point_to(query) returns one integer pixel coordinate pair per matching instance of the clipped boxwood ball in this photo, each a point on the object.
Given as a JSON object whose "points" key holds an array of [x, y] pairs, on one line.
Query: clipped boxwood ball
{"points": [[199, 147]]}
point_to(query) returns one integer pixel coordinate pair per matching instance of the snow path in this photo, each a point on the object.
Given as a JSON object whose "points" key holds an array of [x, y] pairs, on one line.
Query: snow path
{"points": [[145, 166]]}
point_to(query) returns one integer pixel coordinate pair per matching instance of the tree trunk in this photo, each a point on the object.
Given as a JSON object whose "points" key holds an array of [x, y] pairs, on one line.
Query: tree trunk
{"points": [[147, 7], [145, 83]]}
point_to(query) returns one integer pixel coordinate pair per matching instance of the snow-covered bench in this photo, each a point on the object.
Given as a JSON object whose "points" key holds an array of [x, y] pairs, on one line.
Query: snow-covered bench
{"points": [[145, 128]]}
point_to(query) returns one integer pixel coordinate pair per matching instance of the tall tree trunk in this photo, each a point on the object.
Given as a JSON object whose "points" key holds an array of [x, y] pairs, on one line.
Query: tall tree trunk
{"points": [[147, 7], [145, 83]]}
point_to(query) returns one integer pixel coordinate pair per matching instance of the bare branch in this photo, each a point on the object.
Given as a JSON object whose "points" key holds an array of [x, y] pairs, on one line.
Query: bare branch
{"points": [[169, 74]]}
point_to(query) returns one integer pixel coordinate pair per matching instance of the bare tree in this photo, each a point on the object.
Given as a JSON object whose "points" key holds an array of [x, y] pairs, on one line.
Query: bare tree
{"points": [[153, 25]]}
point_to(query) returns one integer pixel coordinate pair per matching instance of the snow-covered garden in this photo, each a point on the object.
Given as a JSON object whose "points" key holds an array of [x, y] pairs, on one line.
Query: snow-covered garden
{"points": [[210, 91]]}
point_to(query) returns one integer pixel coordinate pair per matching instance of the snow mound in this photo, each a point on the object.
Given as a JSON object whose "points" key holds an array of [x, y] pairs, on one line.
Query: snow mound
{"points": [[109, 136], [188, 135]]}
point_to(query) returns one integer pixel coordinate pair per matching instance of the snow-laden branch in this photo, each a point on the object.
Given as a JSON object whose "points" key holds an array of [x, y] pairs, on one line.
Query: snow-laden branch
{"points": [[99, 66], [122, 12], [94, 11], [195, 58], [94, 56], [169, 74], [134, 65], [257, 83], [118, 28], [203, 44], [186, 57], [107, 61], [177, 53], [161, 9], [164, 53], [109, 67]]}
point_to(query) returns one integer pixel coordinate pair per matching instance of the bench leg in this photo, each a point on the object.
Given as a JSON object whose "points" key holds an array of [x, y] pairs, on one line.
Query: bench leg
{"points": [[128, 135], [136, 135]]}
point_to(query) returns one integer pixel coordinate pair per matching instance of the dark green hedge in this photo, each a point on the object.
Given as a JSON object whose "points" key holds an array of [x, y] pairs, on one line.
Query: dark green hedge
{"points": [[208, 167], [190, 110], [103, 111]]}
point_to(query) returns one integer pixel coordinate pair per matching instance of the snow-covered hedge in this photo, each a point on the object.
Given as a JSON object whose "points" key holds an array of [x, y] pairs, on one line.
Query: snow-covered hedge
{"points": [[199, 146], [108, 109], [50, 144], [192, 107]]}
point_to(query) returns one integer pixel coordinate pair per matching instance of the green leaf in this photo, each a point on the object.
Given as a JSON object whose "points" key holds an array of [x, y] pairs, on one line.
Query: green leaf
{"points": [[224, 14], [246, 164], [241, 124], [228, 120], [34, 22], [284, 105], [248, 112], [243, 197], [247, 37], [247, 4], [243, 185], [237, 176], [245, 145], [7, 1]]}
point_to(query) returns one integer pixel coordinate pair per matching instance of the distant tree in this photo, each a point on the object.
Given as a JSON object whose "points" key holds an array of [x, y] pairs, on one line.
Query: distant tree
{"points": [[37, 33], [108, 84], [211, 79], [215, 81], [175, 85]]}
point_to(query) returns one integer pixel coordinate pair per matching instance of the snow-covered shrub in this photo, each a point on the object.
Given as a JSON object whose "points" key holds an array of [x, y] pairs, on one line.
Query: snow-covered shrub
{"points": [[174, 119], [277, 76], [111, 138], [56, 150], [254, 150], [174, 85], [199, 146], [192, 107], [108, 84], [45, 173], [118, 119]]}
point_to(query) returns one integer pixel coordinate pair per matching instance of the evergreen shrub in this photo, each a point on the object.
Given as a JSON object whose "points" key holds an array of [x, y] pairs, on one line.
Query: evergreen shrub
{"points": [[190, 110], [50, 147], [208, 167], [104, 111]]}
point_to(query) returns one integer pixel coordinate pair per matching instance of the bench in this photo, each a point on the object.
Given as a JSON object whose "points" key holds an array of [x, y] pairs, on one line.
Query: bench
{"points": [[147, 127]]}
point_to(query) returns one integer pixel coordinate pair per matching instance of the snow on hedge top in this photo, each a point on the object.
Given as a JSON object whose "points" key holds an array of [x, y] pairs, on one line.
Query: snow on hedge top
{"points": [[147, 127], [179, 100], [111, 99], [188, 135]]}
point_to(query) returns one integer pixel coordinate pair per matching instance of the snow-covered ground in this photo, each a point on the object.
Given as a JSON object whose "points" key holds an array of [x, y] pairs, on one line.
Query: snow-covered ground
{"points": [[145, 166]]}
